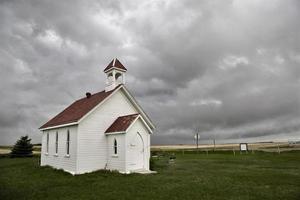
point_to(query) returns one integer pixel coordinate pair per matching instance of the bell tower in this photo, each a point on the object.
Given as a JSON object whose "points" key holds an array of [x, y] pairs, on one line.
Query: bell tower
{"points": [[115, 74]]}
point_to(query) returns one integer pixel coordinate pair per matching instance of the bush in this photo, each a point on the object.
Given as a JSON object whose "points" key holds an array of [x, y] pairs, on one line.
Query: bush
{"points": [[22, 148]]}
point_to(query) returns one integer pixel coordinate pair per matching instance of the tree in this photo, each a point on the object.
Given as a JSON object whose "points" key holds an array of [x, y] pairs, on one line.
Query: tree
{"points": [[22, 148]]}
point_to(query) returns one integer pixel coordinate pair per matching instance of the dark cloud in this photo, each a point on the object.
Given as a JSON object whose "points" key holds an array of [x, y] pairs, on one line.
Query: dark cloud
{"points": [[227, 68]]}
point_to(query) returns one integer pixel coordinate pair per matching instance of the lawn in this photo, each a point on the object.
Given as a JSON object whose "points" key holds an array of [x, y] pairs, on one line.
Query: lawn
{"points": [[192, 176]]}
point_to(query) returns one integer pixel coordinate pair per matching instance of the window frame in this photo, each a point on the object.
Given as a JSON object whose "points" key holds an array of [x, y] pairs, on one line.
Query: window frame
{"points": [[68, 144], [56, 143], [47, 143], [115, 147]]}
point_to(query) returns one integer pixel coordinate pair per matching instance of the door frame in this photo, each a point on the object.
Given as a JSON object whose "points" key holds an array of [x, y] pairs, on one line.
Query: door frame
{"points": [[143, 150]]}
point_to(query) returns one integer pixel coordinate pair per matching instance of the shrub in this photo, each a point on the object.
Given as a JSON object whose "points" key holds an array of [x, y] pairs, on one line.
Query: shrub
{"points": [[22, 148]]}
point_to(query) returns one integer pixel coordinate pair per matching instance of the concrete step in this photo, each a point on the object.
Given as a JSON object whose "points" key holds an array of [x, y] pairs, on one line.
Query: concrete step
{"points": [[144, 171]]}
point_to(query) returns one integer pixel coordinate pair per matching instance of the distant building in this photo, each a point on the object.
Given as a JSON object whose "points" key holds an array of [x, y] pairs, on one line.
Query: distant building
{"points": [[106, 130]]}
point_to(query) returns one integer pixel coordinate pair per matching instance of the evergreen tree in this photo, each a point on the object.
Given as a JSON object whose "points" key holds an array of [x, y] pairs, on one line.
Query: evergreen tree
{"points": [[22, 148]]}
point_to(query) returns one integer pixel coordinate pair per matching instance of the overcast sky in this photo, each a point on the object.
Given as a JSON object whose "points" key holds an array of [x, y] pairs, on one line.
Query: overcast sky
{"points": [[230, 69]]}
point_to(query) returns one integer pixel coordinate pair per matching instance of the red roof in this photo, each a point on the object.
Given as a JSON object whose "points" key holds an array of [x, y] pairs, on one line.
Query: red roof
{"points": [[122, 123], [78, 109], [115, 63]]}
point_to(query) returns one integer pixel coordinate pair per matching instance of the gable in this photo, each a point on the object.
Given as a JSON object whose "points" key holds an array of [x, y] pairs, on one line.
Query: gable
{"points": [[130, 99], [81, 108]]}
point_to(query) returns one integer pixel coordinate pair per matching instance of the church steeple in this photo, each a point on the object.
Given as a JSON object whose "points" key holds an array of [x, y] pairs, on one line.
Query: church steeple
{"points": [[115, 74]]}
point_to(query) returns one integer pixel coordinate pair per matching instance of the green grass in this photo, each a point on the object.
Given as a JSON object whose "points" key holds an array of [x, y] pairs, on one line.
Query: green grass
{"points": [[193, 176]]}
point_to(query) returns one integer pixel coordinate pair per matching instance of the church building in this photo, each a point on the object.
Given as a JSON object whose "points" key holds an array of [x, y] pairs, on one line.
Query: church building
{"points": [[106, 130]]}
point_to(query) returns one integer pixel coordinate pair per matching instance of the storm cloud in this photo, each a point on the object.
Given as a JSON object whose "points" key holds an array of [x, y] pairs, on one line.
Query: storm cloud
{"points": [[229, 69]]}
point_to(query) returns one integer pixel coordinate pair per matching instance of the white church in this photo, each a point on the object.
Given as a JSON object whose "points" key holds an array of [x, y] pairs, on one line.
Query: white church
{"points": [[106, 130]]}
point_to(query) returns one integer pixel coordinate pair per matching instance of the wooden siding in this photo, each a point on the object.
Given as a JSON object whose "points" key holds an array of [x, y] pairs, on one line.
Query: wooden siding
{"points": [[116, 162], [92, 142], [61, 160], [131, 164]]}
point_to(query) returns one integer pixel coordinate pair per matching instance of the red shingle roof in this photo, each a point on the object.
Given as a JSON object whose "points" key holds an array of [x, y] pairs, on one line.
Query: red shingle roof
{"points": [[78, 109], [115, 63], [121, 123]]}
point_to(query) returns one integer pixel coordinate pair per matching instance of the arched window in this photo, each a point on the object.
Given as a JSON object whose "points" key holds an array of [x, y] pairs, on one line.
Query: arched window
{"points": [[110, 78], [119, 77], [115, 147], [56, 142], [68, 142], [47, 147]]}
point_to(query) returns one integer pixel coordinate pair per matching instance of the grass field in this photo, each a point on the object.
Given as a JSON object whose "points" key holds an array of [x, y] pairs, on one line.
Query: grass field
{"points": [[258, 146], [219, 175]]}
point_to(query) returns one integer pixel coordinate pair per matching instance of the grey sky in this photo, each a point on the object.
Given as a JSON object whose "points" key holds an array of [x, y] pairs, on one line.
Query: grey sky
{"points": [[228, 68]]}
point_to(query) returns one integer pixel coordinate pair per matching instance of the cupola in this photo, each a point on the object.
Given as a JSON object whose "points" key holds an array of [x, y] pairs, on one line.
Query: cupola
{"points": [[115, 74]]}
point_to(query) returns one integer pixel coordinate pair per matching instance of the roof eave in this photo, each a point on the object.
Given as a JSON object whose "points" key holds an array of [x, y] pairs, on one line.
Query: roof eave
{"points": [[115, 133], [116, 68], [58, 126]]}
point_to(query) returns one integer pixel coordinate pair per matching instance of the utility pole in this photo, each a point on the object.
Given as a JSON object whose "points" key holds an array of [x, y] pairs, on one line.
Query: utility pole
{"points": [[197, 137], [214, 144], [197, 141]]}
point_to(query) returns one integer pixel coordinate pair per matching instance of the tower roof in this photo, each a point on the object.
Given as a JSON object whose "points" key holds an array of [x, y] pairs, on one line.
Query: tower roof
{"points": [[115, 63]]}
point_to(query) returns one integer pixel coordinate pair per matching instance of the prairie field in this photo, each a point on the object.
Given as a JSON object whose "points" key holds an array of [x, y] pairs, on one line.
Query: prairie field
{"points": [[263, 146], [192, 175]]}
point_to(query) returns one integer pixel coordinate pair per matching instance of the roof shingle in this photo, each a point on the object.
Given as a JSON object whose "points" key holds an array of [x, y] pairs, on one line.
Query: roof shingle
{"points": [[122, 123], [115, 63], [78, 109]]}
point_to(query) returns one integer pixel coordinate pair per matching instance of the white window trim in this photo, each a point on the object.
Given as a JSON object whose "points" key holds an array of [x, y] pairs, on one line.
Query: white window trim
{"points": [[47, 144], [56, 144], [68, 144], [115, 148]]}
